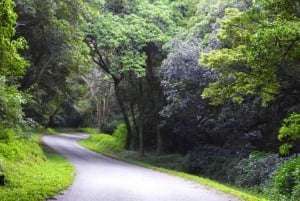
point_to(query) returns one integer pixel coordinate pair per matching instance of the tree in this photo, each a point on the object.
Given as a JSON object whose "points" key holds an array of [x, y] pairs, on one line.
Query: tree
{"points": [[117, 47], [12, 65], [259, 55], [99, 97], [54, 31]]}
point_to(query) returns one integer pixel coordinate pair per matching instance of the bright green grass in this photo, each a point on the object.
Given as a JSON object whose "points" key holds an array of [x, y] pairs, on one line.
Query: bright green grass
{"points": [[95, 143], [32, 175]]}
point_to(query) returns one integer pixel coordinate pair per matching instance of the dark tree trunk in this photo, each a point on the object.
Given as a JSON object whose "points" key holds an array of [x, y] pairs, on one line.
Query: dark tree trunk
{"points": [[141, 108], [134, 119], [159, 145], [125, 116], [2, 179], [51, 121], [141, 136]]}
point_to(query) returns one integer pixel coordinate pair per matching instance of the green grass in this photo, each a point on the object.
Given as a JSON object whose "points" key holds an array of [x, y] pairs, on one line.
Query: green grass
{"points": [[101, 144], [32, 174]]}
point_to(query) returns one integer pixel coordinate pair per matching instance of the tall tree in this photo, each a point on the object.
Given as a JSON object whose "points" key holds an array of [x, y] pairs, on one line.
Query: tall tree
{"points": [[126, 42], [117, 47]]}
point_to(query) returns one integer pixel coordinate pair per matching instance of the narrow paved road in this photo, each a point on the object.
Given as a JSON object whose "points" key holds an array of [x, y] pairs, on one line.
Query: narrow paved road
{"points": [[99, 178]]}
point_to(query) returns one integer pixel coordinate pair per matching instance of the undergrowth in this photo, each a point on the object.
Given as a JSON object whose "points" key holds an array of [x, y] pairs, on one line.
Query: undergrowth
{"points": [[30, 173]]}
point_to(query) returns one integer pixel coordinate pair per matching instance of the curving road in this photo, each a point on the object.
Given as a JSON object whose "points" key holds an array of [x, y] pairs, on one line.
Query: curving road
{"points": [[99, 178]]}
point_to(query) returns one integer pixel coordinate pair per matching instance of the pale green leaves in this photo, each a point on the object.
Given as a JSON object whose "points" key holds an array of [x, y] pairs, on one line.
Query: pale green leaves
{"points": [[289, 132], [11, 63], [261, 46], [120, 40], [134, 61]]}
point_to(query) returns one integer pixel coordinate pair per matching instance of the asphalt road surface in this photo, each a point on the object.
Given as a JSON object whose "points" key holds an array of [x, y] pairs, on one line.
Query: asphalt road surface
{"points": [[99, 178]]}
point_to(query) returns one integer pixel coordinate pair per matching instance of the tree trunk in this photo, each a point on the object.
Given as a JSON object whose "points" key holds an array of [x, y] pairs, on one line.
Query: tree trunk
{"points": [[159, 146], [135, 126], [141, 135], [125, 117], [141, 118], [2, 179], [51, 121]]}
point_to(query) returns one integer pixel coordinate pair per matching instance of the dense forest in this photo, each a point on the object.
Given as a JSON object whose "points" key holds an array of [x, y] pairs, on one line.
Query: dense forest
{"points": [[216, 81]]}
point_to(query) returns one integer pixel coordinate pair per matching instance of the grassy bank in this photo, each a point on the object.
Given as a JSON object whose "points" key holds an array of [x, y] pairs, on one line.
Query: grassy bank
{"points": [[31, 174], [111, 145]]}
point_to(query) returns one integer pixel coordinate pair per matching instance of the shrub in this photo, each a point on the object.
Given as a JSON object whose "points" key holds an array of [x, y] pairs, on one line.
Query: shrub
{"points": [[107, 143], [257, 169], [120, 134], [213, 162], [6, 135], [286, 181], [289, 132]]}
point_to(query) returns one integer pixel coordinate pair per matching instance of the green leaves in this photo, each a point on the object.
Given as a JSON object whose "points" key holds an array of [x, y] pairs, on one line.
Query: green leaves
{"points": [[135, 62], [11, 63], [117, 42], [289, 132], [262, 47]]}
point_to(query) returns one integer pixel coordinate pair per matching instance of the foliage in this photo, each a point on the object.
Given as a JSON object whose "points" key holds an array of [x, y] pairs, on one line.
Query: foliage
{"points": [[11, 102], [289, 132], [54, 31], [122, 43], [126, 43], [258, 54], [207, 12], [11, 65], [287, 181], [256, 170]]}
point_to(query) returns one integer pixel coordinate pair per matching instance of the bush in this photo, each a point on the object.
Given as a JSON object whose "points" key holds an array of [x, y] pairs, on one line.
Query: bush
{"points": [[289, 132], [107, 143], [213, 162], [286, 181], [256, 170], [6, 135], [120, 135]]}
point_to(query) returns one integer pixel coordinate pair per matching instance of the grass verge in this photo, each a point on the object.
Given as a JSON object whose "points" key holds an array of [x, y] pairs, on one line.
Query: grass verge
{"points": [[32, 174], [100, 143]]}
